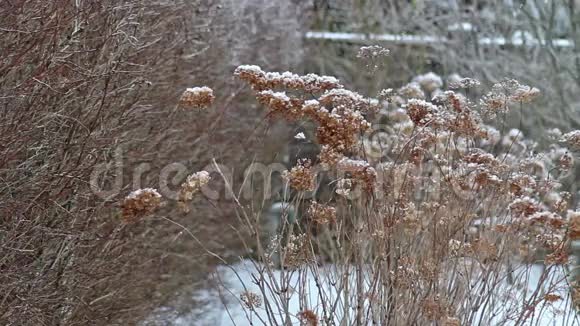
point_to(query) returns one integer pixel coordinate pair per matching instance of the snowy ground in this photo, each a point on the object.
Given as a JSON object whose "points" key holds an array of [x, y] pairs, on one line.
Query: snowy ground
{"points": [[224, 309]]}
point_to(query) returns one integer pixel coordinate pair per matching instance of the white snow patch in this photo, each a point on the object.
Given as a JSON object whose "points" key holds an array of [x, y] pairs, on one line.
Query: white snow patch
{"points": [[224, 308]]}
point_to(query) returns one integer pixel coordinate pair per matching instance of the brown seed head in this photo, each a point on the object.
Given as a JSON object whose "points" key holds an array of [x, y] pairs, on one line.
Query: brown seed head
{"points": [[301, 177], [196, 97], [321, 214], [308, 318], [140, 203]]}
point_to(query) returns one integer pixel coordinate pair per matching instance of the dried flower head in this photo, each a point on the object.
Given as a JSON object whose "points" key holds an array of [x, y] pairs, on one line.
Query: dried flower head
{"points": [[458, 248], [140, 203], [551, 297], [565, 162], [521, 183], [524, 206], [550, 240], [372, 52], [191, 186], [547, 219], [353, 100], [560, 256], [504, 92], [315, 83], [420, 111], [374, 56], [464, 83], [558, 201], [360, 171], [281, 104], [454, 101], [260, 80], [297, 251], [308, 318], [196, 97], [301, 177], [572, 139], [253, 75], [480, 157], [251, 300], [314, 110], [328, 156], [321, 214], [506, 86], [387, 95], [466, 124], [340, 129], [494, 103], [524, 94]]}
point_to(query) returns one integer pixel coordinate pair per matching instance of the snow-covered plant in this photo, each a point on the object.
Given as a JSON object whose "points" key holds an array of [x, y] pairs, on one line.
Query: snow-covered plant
{"points": [[448, 221]]}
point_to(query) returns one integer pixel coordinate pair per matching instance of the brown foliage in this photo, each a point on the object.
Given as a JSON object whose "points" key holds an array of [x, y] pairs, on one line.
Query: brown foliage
{"points": [[77, 80]]}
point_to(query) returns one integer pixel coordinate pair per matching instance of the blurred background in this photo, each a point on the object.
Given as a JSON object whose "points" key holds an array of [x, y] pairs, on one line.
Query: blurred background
{"points": [[83, 80]]}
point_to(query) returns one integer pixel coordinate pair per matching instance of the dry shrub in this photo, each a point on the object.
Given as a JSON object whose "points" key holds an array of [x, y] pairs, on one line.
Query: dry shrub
{"points": [[80, 80], [91, 88], [441, 225]]}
